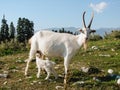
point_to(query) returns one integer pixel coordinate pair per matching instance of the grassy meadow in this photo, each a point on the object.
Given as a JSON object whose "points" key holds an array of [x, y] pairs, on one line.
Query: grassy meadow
{"points": [[106, 56]]}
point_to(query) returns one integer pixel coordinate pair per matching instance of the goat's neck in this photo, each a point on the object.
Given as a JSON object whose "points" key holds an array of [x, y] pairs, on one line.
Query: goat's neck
{"points": [[81, 39]]}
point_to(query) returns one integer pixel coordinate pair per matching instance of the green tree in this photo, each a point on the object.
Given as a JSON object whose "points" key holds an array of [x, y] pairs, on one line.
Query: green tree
{"points": [[24, 29], [4, 30], [20, 31], [12, 31]]}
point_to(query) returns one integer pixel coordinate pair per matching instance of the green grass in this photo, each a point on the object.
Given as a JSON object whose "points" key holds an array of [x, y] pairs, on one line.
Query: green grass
{"points": [[17, 80]]}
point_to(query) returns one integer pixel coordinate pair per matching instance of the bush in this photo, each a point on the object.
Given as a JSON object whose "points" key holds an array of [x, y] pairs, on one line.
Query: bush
{"points": [[12, 47], [114, 34], [95, 37]]}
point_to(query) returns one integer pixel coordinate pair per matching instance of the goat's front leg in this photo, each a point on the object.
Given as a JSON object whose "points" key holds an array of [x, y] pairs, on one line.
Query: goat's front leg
{"points": [[31, 55], [27, 66], [66, 65], [38, 74]]}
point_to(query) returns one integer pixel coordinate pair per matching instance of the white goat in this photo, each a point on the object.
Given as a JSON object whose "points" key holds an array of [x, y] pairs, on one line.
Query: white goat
{"points": [[47, 65], [52, 44]]}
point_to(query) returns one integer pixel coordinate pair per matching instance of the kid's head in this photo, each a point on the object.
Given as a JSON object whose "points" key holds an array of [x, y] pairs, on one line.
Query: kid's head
{"points": [[38, 54]]}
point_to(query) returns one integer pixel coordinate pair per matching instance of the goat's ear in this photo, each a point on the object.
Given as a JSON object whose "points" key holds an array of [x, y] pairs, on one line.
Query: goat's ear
{"points": [[93, 31], [81, 30]]}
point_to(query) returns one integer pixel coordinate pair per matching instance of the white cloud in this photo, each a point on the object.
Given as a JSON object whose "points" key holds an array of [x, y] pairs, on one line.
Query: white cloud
{"points": [[98, 7]]}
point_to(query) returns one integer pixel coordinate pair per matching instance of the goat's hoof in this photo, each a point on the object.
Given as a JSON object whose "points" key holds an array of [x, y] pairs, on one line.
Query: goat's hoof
{"points": [[26, 74], [38, 76], [46, 78]]}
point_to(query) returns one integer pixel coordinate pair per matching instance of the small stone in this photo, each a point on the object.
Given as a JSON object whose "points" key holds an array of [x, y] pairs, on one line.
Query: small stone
{"points": [[29, 77], [58, 87], [20, 80], [84, 69], [94, 47], [4, 75], [118, 81], [31, 83], [39, 82], [34, 81], [5, 72], [110, 71], [60, 76], [5, 83], [20, 61], [14, 70], [112, 49], [78, 82]]}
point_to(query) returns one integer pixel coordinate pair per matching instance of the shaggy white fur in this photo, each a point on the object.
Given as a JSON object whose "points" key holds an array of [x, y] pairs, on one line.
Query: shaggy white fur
{"points": [[47, 65]]}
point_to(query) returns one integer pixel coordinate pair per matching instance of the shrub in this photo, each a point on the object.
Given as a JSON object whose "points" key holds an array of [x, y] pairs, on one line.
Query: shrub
{"points": [[113, 34], [95, 37], [12, 47]]}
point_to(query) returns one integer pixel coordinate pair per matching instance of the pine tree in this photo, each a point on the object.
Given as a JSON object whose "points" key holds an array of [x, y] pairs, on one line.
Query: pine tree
{"points": [[24, 30], [12, 31], [20, 31], [4, 30]]}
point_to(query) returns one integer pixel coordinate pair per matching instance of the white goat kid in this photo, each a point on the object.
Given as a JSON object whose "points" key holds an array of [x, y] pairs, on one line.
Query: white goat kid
{"points": [[52, 44], [47, 65]]}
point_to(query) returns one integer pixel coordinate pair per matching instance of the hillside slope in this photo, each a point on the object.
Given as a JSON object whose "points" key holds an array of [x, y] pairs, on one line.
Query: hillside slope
{"points": [[105, 56]]}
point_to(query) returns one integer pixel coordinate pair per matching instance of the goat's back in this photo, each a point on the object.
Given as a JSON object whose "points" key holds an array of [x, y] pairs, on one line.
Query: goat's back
{"points": [[54, 44]]}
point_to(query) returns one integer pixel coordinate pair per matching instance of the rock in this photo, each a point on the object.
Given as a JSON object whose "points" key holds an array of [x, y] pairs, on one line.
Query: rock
{"points": [[93, 70], [40, 83], [96, 79], [34, 81], [20, 80], [94, 47], [90, 70], [29, 77], [59, 87], [78, 83], [104, 55], [110, 71], [14, 70], [5, 83], [31, 83], [85, 69], [5, 72], [112, 49], [20, 61], [118, 81], [118, 77], [61, 76], [3, 75]]}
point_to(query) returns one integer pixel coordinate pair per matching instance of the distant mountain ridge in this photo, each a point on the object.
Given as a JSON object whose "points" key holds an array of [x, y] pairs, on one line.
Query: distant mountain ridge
{"points": [[100, 31]]}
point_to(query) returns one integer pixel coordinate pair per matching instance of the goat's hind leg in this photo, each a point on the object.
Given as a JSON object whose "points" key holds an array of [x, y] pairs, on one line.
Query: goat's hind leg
{"points": [[54, 73], [48, 74]]}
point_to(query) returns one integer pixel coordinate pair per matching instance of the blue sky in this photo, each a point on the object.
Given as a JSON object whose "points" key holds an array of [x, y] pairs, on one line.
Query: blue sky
{"points": [[62, 13]]}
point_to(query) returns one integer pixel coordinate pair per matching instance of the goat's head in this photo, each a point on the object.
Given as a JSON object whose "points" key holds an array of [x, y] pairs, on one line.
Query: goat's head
{"points": [[38, 54], [86, 29]]}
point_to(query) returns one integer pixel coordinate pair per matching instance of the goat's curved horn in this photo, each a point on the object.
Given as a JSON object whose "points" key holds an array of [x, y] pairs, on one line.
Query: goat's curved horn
{"points": [[84, 20], [91, 20]]}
